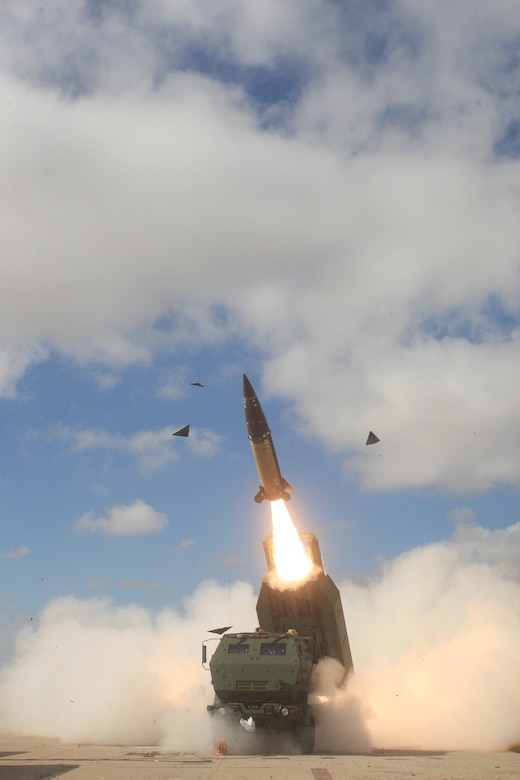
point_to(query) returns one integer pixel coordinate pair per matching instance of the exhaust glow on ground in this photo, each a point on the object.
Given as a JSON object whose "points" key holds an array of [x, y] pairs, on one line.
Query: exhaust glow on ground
{"points": [[290, 556]]}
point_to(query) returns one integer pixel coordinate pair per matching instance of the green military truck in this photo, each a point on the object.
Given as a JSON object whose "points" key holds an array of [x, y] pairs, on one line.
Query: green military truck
{"points": [[262, 679]]}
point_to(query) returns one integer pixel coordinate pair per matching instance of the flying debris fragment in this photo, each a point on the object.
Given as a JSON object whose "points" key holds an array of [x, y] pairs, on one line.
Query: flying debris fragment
{"points": [[196, 384], [182, 431], [219, 630], [372, 438]]}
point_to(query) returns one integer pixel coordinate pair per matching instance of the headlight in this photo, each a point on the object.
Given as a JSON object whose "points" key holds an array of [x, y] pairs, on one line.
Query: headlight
{"points": [[221, 710], [284, 711]]}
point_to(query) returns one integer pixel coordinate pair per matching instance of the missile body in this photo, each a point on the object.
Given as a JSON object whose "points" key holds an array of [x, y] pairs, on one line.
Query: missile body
{"points": [[272, 485]]}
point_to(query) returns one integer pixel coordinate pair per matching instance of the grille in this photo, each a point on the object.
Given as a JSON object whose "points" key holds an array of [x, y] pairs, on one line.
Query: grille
{"points": [[251, 685]]}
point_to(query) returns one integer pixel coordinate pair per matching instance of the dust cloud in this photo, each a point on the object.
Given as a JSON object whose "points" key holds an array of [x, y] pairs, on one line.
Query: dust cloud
{"points": [[434, 637], [435, 643], [93, 672]]}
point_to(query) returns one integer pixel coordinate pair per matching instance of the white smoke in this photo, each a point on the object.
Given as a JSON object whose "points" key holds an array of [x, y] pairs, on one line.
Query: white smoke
{"points": [[435, 641], [434, 637], [340, 713], [93, 672]]}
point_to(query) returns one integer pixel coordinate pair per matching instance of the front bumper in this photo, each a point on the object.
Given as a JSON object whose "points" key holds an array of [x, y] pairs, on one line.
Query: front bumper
{"points": [[266, 714]]}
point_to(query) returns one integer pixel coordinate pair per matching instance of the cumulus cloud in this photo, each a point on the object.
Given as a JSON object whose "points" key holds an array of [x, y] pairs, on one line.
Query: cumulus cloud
{"points": [[173, 386], [154, 449], [374, 185], [134, 519], [184, 545], [15, 360], [499, 549], [20, 552]]}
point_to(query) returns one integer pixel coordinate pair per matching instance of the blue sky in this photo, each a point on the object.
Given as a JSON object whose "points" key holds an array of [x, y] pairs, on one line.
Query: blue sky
{"points": [[321, 195]]}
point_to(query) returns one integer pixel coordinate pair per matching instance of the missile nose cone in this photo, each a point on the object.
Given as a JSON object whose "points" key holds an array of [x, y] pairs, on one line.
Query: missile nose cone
{"points": [[247, 388]]}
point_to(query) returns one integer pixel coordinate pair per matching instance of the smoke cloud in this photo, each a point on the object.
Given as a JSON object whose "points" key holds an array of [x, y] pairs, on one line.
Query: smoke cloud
{"points": [[434, 636], [93, 672], [435, 640]]}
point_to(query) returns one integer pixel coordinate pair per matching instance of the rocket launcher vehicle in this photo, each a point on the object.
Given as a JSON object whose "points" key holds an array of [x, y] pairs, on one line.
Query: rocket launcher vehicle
{"points": [[272, 485], [262, 679]]}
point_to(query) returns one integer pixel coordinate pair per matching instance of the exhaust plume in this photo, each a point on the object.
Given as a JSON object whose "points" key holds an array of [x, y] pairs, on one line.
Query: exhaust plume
{"points": [[434, 636], [292, 564]]}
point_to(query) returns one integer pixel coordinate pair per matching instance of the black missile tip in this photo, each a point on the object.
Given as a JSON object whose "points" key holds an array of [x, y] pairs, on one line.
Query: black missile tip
{"points": [[247, 387]]}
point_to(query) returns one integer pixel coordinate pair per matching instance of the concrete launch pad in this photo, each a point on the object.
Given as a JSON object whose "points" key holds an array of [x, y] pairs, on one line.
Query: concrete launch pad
{"points": [[30, 758]]}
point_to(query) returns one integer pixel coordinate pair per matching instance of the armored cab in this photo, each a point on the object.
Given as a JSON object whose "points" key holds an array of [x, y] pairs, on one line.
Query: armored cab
{"points": [[261, 683]]}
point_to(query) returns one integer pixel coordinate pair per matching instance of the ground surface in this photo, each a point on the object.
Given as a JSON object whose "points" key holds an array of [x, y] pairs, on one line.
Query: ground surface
{"points": [[29, 758]]}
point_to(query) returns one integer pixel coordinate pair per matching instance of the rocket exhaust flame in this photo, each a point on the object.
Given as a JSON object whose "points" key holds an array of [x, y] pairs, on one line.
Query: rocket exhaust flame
{"points": [[292, 562]]}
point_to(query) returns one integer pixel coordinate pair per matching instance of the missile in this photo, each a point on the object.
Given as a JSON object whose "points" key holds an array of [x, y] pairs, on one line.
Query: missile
{"points": [[272, 485]]}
